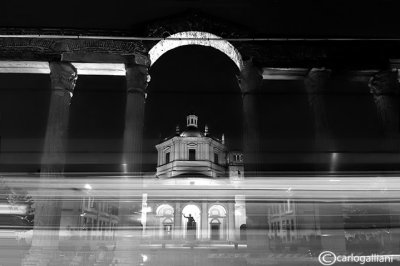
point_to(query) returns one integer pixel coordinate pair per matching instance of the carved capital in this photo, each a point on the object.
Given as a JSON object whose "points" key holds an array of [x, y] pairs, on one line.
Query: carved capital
{"points": [[63, 77], [384, 86], [384, 83], [316, 80], [137, 78], [250, 78]]}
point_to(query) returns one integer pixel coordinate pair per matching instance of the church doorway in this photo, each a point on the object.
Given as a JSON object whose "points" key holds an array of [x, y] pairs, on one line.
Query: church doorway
{"points": [[191, 222], [217, 222], [215, 229], [165, 215]]}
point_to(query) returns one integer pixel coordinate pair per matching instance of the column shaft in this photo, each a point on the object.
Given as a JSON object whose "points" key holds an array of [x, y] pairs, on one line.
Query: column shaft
{"points": [[316, 86], [231, 221], [136, 80], [250, 81], [204, 220], [178, 221], [49, 207]]}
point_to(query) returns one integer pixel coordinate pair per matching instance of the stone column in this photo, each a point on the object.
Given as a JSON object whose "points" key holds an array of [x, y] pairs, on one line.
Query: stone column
{"points": [[49, 207], [177, 221], [204, 221], [250, 81], [316, 85], [384, 87], [137, 79], [231, 221]]}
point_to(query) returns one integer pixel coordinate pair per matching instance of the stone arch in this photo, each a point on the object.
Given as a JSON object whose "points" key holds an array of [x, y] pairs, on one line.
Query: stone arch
{"points": [[164, 221], [165, 210], [217, 222], [217, 210], [195, 38]]}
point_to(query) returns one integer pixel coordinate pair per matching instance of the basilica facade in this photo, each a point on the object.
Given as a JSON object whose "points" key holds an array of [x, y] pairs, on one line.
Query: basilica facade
{"points": [[193, 157]]}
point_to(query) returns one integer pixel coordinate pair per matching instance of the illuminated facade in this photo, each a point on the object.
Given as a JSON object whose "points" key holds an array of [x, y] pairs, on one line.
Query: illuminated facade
{"points": [[193, 152], [196, 158]]}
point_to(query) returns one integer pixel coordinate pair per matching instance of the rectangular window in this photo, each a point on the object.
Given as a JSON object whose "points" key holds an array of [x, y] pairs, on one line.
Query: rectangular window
{"points": [[192, 155], [167, 157], [216, 158]]}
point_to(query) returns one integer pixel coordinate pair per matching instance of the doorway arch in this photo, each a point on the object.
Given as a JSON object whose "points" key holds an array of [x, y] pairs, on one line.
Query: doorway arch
{"points": [[195, 38], [194, 211], [217, 216], [165, 221]]}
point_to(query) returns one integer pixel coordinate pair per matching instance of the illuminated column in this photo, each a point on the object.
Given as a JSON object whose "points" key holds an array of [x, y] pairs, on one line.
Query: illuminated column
{"points": [[231, 222], [315, 84], [204, 220], [48, 208], [250, 81], [143, 219], [240, 216], [63, 78], [137, 78], [384, 86], [177, 221]]}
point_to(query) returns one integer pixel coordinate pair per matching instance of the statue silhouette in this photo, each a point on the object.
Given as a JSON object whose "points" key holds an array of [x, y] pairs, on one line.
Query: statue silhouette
{"points": [[190, 221], [191, 226]]}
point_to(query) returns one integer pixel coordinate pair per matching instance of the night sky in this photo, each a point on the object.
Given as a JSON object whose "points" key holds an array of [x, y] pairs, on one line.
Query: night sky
{"points": [[332, 18]]}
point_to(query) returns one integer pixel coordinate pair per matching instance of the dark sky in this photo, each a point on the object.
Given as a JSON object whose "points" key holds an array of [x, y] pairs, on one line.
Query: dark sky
{"points": [[372, 18], [194, 79]]}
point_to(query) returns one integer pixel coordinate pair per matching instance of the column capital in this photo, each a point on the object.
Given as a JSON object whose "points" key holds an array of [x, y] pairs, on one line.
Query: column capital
{"points": [[137, 78], [63, 77], [384, 83], [316, 79], [250, 77]]}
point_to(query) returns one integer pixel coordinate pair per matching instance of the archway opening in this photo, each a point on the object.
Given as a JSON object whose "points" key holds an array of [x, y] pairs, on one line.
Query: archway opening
{"points": [[217, 222], [165, 217], [191, 222], [192, 79]]}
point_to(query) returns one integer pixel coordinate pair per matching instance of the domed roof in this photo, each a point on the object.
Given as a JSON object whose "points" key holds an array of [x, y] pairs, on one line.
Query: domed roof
{"points": [[192, 132]]}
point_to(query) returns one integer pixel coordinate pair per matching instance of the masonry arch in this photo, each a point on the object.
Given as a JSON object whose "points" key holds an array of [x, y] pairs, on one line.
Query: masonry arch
{"points": [[217, 222], [195, 38], [165, 221]]}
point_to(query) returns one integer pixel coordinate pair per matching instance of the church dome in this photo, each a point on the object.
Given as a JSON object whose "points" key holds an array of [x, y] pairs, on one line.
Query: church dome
{"points": [[191, 127], [192, 132]]}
